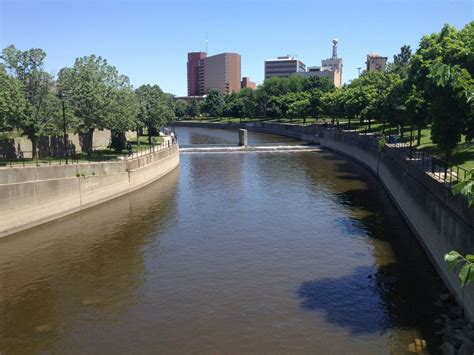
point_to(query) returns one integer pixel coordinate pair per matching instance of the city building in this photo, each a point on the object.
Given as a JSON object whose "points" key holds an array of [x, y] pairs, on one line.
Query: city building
{"points": [[219, 72], [222, 73], [194, 62], [283, 66], [375, 62], [330, 68], [246, 83]]}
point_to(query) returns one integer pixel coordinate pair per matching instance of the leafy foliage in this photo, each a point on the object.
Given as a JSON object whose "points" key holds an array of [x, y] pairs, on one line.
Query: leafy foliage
{"points": [[155, 108], [466, 188], [37, 85], [214, 104], [12, 101], [466, 273]]}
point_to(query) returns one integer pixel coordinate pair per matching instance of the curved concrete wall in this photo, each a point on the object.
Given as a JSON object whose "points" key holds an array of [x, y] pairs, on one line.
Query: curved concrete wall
{"points": [[34, 195], [441, 221]]}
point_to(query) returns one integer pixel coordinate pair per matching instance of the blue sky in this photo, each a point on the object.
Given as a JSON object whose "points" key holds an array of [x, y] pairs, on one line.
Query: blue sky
{"points": [[149, 40]]}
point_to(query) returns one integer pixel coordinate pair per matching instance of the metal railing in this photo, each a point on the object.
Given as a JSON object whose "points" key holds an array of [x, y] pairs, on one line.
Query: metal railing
{"points": [[434, 166], [73, 158]]}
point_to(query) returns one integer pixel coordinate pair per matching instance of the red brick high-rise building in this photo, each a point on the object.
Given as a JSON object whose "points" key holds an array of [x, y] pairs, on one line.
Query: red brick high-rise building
{"points": [[219, 72], [194, 64]]}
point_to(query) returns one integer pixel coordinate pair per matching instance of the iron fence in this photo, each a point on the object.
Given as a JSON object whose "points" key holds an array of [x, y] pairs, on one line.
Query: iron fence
{"points": [[438, 168], [86, 158]]}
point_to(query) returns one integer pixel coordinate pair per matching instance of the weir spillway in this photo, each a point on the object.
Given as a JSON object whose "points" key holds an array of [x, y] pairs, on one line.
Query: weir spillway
{"points": [[274, 148]]}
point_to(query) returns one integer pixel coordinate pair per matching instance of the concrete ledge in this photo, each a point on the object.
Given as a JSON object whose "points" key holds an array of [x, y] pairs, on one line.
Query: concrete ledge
{"points": [[35, 195]]}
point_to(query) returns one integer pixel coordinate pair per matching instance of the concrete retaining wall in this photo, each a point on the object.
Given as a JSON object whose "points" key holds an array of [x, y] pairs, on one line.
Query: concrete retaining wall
{"points": [[34, 195], [441, 221]]}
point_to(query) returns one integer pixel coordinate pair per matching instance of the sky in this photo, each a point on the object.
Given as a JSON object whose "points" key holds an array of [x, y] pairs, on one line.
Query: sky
{"points": [[148, 40]]}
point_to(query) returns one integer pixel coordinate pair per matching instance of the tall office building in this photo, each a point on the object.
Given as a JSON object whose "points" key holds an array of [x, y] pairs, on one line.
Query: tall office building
{"points": [[194, 63], [283, 66], [219, 72], [375, 62], [222, 73]]}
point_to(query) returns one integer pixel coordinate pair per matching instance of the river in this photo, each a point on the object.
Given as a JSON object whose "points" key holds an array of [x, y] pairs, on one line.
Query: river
{"points": [[261, 252]]}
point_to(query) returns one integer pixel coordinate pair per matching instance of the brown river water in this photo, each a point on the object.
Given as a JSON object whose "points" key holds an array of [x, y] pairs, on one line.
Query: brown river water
{"points": [[258, 252]]}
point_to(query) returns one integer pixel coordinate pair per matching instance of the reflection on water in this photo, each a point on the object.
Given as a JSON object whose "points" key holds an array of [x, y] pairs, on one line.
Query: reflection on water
{"points": [[258, 252]]}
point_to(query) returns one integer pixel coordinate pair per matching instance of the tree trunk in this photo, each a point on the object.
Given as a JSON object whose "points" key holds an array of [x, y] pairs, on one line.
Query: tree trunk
{"points": [[86, 140], [446, 163], [418, 137], [34, 146], [149, 135]]}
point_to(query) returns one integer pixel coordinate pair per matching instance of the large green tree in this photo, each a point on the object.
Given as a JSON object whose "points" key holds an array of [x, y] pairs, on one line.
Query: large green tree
{"points": [[401, 62], [441, 72], [39, 90], [214, 104], [155, 108], [12, 101], [94, 93]]}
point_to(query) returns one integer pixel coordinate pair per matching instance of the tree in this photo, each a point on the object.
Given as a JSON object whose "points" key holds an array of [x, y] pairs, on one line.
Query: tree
{"points": [[214, 104], [315, 102], [234, 106], [441, 71], [180, 108], [416, 110], [156, 108], [92, 85], [401, 62], [123, 111], [314, 82], [249, 101], [192, 108], [12, 101], [295, 104], [41, 102]]}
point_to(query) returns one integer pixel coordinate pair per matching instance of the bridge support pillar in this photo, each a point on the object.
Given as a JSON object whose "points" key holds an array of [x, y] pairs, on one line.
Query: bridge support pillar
{"points": [[243, 138]]}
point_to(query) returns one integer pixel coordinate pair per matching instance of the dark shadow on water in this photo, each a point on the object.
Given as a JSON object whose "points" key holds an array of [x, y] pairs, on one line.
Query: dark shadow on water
{"points": [[370, 300], [351, 301]]}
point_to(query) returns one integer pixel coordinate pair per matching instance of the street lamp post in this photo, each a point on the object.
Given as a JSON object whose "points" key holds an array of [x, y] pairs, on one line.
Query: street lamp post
{"points": [[63, 97]]}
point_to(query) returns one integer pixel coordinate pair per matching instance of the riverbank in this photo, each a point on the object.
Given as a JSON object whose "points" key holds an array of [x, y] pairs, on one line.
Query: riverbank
{"points": [[30, 196], [442, 222]]}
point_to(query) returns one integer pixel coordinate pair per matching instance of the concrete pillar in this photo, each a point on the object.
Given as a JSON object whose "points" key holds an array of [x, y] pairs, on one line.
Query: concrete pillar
{"points": [[243, 138]]}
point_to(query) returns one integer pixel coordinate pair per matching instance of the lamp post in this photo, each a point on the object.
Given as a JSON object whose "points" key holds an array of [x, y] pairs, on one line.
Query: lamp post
{"points": [[63, 97]]}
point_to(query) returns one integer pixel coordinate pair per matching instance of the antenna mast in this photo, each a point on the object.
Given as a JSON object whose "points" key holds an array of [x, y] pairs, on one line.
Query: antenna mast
{"points": [[334, 48], [206, 42]]}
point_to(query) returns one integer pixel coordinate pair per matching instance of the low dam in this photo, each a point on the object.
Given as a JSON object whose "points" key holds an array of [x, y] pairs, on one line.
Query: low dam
{"points": [[295, 251]]}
